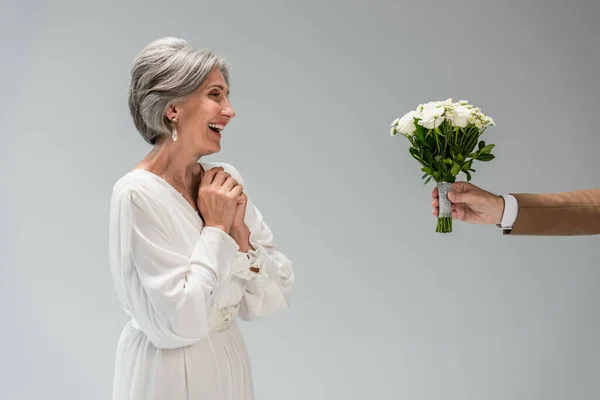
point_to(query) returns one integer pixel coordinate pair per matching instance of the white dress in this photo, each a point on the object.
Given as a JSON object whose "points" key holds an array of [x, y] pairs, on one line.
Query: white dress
{"points": [[183, 285]]}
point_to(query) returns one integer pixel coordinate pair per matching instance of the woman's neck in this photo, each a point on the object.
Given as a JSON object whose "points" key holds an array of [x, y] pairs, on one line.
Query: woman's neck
{"points": [[172, 163]]}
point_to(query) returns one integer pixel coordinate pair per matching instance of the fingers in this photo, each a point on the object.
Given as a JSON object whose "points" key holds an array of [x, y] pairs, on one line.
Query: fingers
{"points": [[236, 191], [459, 192], [220, 178], [464, 192], [461, 186], [243, 198], [455, 214], [229, 183], [434, 193], [436, 208], [209, 175]]}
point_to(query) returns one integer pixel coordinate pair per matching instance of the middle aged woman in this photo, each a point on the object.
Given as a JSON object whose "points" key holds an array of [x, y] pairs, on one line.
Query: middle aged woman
{"points": [[189, 251]]}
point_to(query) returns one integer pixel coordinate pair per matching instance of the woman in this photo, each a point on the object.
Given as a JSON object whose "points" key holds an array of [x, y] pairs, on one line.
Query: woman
{"points": [[188, 250]]}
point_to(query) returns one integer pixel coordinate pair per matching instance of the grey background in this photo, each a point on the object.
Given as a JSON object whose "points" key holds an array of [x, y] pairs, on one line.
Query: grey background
{"points": [[383, 306]]}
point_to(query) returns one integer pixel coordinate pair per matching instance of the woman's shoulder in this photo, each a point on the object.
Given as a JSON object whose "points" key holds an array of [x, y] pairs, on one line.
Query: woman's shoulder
{"points": [[137, 183], [136, 178]]}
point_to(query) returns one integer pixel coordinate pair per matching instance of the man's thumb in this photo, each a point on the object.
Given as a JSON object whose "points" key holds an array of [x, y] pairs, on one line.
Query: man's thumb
{"points": [[459, 193], [459, 197], [454, 197]]}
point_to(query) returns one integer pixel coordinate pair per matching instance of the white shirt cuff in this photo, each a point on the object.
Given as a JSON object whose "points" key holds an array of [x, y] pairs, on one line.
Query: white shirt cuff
{"points": [[511, 209]]}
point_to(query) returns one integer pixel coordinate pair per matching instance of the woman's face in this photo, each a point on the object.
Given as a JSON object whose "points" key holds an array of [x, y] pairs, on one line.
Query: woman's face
{"points": [[203, 115]]}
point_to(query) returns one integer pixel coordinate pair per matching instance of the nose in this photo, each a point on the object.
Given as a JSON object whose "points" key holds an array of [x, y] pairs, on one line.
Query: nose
{"points": [[227, 110]]}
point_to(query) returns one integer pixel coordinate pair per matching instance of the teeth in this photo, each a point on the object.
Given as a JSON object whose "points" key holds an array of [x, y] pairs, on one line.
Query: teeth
{"points": [[216, 126]]}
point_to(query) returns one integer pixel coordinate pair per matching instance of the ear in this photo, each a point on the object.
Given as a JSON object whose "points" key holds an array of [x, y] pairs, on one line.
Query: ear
{"points": [[173, 111]]}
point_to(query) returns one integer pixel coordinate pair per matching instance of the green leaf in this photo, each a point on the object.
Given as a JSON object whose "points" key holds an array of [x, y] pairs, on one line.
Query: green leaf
{"points": [[431, 142], [471, 142], [487, 149], [427, 170], [486, 157], [481, 145], [427, 181], [467, 165], [456, 149], [468, 175], [455, 169], [427, 156], [419, 160], [421, 134]]}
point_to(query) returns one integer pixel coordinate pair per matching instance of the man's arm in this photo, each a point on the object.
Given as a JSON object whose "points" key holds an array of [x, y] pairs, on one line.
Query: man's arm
{"points": [[554, 214]]}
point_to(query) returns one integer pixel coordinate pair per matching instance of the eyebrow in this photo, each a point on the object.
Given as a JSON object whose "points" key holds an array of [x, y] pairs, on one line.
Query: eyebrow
{"points": [[218, 86]]}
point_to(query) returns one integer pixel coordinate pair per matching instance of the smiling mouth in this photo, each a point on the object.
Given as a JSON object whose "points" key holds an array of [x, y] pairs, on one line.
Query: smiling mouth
{"points": [[216, 128]]}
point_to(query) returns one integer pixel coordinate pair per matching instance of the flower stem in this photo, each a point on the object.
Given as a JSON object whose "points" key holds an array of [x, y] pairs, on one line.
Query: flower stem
{"points": [[444, 225]]}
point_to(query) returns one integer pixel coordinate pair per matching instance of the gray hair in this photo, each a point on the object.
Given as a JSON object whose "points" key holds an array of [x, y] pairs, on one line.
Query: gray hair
{"points": [[165, 72]]}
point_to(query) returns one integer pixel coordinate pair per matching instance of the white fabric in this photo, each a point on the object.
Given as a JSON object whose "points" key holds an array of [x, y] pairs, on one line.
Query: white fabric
{"points": [[172, 276], [511, 210]]}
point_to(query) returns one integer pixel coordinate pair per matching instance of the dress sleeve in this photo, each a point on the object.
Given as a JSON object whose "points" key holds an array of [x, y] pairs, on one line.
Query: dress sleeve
{"points": [[171, 294], [268, 291]]}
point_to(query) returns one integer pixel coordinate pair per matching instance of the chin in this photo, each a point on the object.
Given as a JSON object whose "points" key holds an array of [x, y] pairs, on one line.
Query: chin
{"points": [[212, 150], [206, 149]]}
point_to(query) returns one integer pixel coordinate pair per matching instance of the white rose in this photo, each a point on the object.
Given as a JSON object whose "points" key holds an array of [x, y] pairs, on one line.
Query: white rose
{"points": [[432, 115], [460, 116], [431, 105], [406, 124]]}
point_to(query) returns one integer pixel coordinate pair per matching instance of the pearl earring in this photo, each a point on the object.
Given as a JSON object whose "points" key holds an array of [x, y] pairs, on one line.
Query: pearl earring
{"points": [[174, 131]]}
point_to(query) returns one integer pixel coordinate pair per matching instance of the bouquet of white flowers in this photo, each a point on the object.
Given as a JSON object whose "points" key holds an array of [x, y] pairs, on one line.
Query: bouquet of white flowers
{"points": [[444, 138]]}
